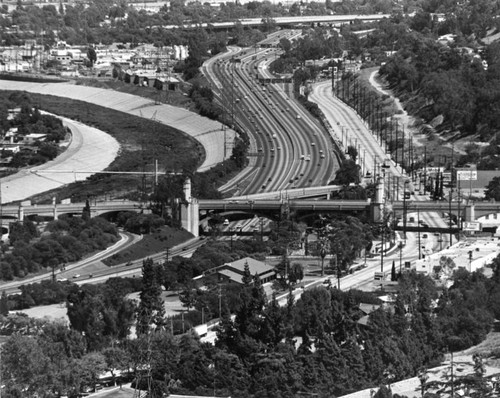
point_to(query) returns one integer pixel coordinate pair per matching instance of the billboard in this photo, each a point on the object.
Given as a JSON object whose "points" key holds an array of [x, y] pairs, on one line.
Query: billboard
{"points": [[466, 175], [434, 170], [471, 226]]}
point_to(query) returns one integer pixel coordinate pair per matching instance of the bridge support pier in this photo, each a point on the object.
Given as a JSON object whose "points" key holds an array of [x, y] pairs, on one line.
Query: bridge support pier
{"points": [[470, 213], [190, 217], [377, 206], [20, 213], [55, 208]]}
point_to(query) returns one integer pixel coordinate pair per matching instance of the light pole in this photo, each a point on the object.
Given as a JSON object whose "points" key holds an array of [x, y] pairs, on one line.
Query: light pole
{"points": [[419, 245], [451, 233], [400, 256], [406, 195]]}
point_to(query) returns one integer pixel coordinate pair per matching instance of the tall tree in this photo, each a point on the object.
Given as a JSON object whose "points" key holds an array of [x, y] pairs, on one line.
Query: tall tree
{"points": [[151, 310]]}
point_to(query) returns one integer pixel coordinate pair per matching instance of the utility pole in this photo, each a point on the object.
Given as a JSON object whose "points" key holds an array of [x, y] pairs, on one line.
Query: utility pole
{"points": [[382, 251], [451, 233], [425, 168], [419, 243], [397, 142]]}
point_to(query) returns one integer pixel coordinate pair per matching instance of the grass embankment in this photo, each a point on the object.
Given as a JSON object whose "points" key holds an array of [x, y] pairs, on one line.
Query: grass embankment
{"points": [[155, 242], [175, 98], [141, 142]]}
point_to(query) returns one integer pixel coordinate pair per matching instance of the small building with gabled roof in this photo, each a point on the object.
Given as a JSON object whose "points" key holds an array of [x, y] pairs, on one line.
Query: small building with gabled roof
{"points": [[233, 272]]}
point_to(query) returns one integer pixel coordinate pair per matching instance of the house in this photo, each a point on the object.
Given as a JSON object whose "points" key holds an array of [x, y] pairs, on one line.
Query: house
{"points": [[367, 309], [233, 272], [10, 148], [34, 138]]}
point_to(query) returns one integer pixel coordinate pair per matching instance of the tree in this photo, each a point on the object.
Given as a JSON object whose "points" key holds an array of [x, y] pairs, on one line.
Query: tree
{"points": [[296, 273], [4, 304], [352, 152], [349, 172], [493, 189], [24, 366], [92, 56], [86, 211], [90, 367], [151, 309], [115, 359], [247, 277]]}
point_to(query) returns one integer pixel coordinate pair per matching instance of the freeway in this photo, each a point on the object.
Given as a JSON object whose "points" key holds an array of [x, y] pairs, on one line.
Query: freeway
{"points": [[350, 130], [126, 240], [324, 19], [85, 271], [288, 148]]}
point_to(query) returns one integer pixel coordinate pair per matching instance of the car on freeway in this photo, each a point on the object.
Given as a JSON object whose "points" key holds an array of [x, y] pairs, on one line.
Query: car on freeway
{"points": [[302, 157], [297, 117], [76, 276]]}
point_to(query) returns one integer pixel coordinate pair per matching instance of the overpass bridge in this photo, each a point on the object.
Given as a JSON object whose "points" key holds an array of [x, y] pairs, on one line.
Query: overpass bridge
{"points": [[297, 200], [54, 210], [283, 21]]}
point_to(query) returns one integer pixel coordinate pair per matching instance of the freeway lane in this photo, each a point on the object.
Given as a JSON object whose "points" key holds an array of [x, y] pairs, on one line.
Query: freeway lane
{"points": [[289, 148], [126, 240]]}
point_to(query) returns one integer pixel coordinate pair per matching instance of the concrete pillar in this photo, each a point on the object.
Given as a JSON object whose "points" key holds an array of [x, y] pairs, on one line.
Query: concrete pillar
{"points": [[195, 217], [377, 206], [20, 213], [187, 189], [470, 212], [55, 207], [190, 217]]}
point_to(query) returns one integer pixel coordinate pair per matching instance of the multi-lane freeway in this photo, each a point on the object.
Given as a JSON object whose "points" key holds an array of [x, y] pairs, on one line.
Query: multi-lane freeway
{"points": [[288, 148]]}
